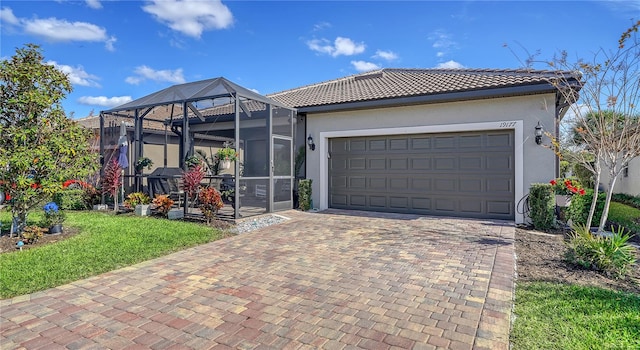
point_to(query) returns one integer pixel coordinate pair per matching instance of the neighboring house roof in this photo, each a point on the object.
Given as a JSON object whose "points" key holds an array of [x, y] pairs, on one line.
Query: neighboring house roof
{"points": [[93, 122], [406, 86]]}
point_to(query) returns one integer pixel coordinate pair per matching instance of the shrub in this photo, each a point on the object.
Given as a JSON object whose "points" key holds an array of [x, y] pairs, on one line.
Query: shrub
{"points": [[304, 194], [627, 199], [70, 199], [541, 206], [31, 234], [163, 204], [136, 198], [210, 202], [90, 195], [191, 180], [579, 208], [111, 181], [583, 175], [611, 255]]}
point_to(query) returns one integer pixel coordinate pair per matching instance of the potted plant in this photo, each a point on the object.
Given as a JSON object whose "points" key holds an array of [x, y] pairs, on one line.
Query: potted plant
{"points": [[564, 189], [142, 163], [225, 156], [140, 202], [53, 217]]}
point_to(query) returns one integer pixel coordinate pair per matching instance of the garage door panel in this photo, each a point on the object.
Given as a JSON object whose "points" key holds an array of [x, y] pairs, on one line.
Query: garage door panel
{"points": [[473, 141], [339, 183], [448, 163], [420, 163], [420, 143], [378, 145], [339, 200], [461, 174], [356, 145], [377, 183], [471, 206], [471, 185], [473, 163], [358, 201], [378, 202], [499, 140], [357, 182], [420, 203], [357, 163], [377, 163], [499, 163], [398, 164], [444, 185], [500, 207], [444, 142], [421, 184]]}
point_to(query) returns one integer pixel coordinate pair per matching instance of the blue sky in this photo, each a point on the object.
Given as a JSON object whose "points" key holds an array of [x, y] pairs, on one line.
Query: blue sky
{"points": [[116, 51]]}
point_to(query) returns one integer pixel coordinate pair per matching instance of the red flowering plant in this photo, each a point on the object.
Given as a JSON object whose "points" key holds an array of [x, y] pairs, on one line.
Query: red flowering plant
{"points": [[567, 187]]}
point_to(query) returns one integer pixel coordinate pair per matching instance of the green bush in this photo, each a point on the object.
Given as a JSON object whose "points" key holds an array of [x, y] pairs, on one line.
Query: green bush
{"points": [[584, 175], [612, 255], [70, 199], [304, 194], [627, 199], [542, 206], [579, 208]]}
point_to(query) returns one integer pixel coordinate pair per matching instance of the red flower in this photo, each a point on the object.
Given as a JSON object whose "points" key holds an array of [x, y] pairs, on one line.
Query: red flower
{"points": [[582, 191], [553, 182]]}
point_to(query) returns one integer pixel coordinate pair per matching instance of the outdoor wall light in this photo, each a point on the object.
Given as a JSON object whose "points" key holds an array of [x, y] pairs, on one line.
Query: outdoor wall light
{"points": [[312, 146], [538, 134]]}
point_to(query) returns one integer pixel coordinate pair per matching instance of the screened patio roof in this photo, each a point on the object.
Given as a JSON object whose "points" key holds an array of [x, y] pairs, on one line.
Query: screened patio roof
{"points": [[194, 91]]}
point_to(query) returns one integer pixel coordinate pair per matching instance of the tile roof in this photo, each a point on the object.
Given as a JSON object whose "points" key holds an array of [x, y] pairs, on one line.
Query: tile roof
{"points": [[395, 83]]}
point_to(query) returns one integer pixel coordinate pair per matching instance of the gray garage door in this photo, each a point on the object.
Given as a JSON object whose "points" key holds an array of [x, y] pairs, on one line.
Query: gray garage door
{"points": [[468, 174]]}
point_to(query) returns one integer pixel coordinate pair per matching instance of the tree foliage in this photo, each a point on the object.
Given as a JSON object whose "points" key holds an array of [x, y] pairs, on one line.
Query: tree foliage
{"points": [[603, 122], [40, 147]]}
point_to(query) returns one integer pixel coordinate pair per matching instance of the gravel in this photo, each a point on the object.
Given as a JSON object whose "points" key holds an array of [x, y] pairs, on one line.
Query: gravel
{"points": [[249, 225]]}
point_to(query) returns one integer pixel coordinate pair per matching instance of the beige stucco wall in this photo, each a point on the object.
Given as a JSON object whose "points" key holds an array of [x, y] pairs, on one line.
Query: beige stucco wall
{"points": [[626, 184], [534, 163]]}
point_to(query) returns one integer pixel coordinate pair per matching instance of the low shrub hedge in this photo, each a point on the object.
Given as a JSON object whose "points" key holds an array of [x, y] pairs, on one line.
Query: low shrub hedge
{"points": [[70, 199], [579, 208], [627, 199], [542, 206]]}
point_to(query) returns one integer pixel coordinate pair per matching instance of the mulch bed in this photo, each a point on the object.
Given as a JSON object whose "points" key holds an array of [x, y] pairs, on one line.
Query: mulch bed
{"points": [[540, 257]]}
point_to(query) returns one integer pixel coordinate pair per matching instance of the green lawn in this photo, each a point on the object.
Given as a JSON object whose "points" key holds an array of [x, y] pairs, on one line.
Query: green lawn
{"points": [[559, 316], [625, 216], [105, 242]]}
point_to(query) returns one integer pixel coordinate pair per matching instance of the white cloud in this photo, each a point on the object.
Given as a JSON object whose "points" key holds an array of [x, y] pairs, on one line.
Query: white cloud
{"points": [[7, 16], [449, 65], [104, 101], [54, 29], [363, 66], [143, 73], [77, 75], [321, 26], [94, 4], [341, 46], [443, 42], [320, 45], [386, 55], [190, 17]]}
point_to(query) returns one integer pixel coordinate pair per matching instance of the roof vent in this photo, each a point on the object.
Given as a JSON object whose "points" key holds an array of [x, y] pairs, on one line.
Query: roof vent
{"points": [[368, 76]]}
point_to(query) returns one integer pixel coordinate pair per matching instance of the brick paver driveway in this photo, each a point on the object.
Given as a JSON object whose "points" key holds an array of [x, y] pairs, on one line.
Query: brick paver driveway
{"points": [[333, 280]]}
